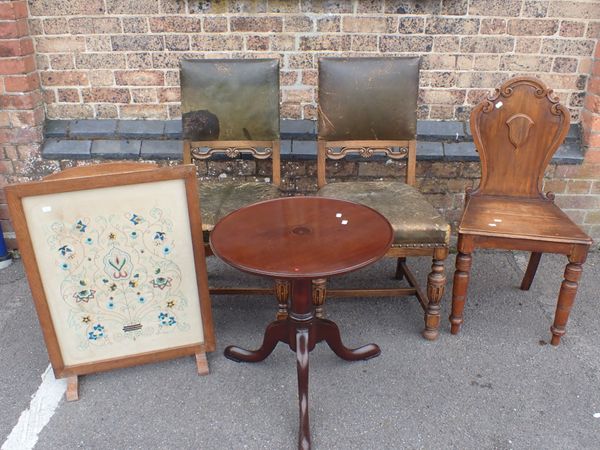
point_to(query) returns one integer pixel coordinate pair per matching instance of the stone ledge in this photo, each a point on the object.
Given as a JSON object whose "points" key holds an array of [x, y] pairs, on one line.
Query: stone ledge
{"points": [[161, 139]]}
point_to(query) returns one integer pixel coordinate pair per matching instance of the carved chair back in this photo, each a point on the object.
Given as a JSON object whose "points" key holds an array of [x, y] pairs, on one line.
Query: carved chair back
{"points": [[368, 106], [231, 107], [516, 132]]}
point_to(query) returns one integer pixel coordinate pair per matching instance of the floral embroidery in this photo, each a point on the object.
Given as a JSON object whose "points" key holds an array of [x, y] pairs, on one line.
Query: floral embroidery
{"points": [[166, 319], [96, 333], [161, 282], [135, 219], [159, 236], [65, 250], [84, 295], [80, 226]]}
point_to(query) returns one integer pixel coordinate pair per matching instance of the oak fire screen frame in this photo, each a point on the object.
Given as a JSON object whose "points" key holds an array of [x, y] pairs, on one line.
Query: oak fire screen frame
{"points": [[115, 261]]}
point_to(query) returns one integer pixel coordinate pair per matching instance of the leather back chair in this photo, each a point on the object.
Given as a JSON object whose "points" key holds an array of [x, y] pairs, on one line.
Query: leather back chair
{"points": [[516, 132], [230, 109], [367, 107]]}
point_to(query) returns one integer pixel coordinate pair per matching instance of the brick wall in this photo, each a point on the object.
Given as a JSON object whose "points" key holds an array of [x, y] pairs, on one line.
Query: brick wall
{"points": [[119, 58], [109, 59]]}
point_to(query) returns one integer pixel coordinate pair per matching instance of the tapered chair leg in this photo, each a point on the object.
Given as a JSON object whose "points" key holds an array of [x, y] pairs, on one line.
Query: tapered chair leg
{"points": [[282, 293], [566, 297], [459, 290], [534, 261], [319, 292], [399, 270], [436, 284]]}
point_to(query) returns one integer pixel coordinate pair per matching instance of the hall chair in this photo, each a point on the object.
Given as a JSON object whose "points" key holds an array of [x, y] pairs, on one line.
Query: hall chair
{"points": [[516, 131], [367, 107], [230, 109]]}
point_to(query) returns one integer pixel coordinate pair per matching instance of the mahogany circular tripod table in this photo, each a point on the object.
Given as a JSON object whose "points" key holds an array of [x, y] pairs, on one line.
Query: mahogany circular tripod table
{"points": [[300, 239]]}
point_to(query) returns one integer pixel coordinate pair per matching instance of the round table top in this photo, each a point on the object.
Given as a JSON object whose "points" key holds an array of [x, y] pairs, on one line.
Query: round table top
{"points": [[301, 237]]}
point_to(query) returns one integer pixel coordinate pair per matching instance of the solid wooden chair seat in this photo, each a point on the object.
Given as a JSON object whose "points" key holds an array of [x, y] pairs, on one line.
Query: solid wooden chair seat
{"points": [[414, 220], [217, 199], [534, 219]]}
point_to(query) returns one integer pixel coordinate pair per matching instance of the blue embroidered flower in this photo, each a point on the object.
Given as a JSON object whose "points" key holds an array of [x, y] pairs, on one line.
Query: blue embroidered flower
{"points": [[166, 319], [142, 299], [166, 250], [110, 305], [96, 333], [84, 295], [135, 219], [159, 236], [89, 241], [161, 282], [80, 226], [133, 235], [64, 266], [65, 250]]}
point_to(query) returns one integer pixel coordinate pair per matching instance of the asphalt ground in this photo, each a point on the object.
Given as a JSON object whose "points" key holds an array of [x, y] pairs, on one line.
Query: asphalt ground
{"points": [[496, 385]]}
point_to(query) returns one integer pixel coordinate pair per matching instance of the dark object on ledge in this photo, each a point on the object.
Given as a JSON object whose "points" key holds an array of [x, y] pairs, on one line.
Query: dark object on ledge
{"points": [[5, 258]]}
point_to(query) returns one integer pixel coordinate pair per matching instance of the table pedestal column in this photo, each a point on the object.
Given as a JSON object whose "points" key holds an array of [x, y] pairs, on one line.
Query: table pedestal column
{"points": [[301, 330]]}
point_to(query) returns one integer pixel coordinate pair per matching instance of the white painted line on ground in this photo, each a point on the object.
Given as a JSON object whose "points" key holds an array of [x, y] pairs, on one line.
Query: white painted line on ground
{"points": [[41, 409]]}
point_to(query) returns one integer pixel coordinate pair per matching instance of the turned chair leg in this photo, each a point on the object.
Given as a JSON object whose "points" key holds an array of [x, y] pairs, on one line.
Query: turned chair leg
{"points": [[459, 290], [319, 291], [436, 284], [566, 297], [399, 271], [534, 261], [282, 293]]}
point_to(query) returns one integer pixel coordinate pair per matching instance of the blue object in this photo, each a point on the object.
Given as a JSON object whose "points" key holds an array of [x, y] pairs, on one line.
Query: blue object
{"points": [[5, 258]]}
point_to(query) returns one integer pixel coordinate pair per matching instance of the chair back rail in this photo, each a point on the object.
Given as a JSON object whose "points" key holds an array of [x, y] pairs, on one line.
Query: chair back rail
{"points": [[516, 131]]}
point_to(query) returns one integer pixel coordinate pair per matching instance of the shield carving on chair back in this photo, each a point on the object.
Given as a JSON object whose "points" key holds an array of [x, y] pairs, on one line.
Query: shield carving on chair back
{"points": [[516, 132]]}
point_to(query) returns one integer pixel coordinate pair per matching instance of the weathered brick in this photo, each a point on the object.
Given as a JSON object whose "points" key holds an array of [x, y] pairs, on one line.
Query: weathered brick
{"points": [[106, 95], [445, 25], [446, 44], [572, 9], [143, 111], [570, 28], [412, 7], [407, 25], [565, 65], [135, 25], [291, 111], [493, 26], [288, 78], [14, 29], [16, 47], [257, 43], [144, 95], [300, 61], [283, 42], [13, 10], [578, 201], [437, 112], [100, 61], [106, 111], [214, 24], [487, 44], [480, 79], [329, 24], [326, 6], [370, 6], [94, 25], [168, 95], [206, 7], [454, 7], [592, 217], [125, 7], [247, 7], [486, 62], [101, 78], [578, 187], [55, 25], [565, 46], [298, 24], [177, 42], [528, 45], [298, 95], [535, 8], [442, 79], [59, 44], [36, 27], [593, 30], [98, 43], [438, 96], [256, 24], [325, 42], [175, 24], [358, 24], [217, 43], [68, 111], [400, 44], [139, 78], [526, 62], [532, 27], [70, 8], [10, 66], [68, 95], [494, 7], [62, 61], [137, 43], [22, 83], [283, 6], [139, 60], [64, 78], [364, 43], [592, 103]]}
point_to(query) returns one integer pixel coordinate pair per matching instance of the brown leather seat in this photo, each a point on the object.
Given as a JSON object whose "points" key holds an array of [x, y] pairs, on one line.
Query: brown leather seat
{"points": [[367, 106], [413, 219]]}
